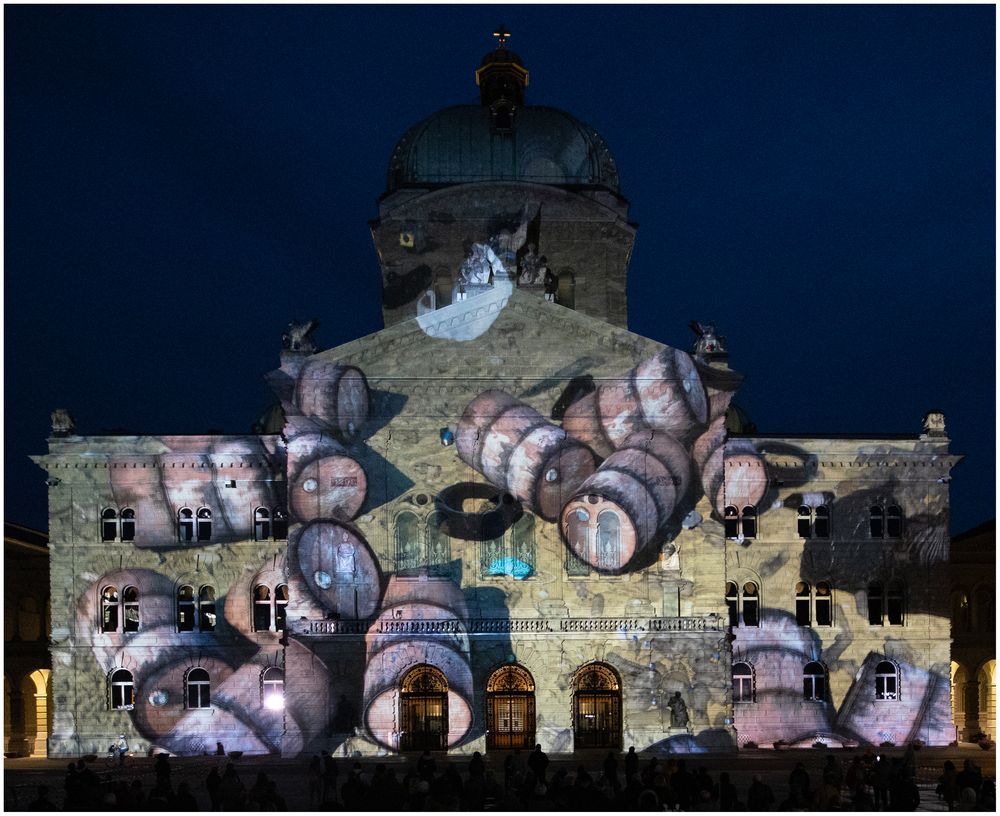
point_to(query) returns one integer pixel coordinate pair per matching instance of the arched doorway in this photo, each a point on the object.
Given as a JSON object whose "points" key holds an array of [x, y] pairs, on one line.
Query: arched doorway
{"points": [[424, 709], [597, 708], [510, 709], [987, 697]]}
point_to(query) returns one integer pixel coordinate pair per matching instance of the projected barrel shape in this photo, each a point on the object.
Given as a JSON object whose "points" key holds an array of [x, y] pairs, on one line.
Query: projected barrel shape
{"points": [[732, 471], [517, 449], [188, 481], [141, 489], [339, 569], [240, 490], [619, 511], [330, 487], [335, 393], [720, 387], [419, 640], [662, 393]]}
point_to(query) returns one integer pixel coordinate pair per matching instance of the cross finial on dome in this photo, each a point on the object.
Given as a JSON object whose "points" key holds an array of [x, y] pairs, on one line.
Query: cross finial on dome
{"points": [[501, 34]]}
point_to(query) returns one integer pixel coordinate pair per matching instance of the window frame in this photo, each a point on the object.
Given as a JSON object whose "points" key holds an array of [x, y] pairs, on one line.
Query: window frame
{"points": [[883, 695], [117, 688], [815, 683], [741, 682], [266, 683], [204, 689]]}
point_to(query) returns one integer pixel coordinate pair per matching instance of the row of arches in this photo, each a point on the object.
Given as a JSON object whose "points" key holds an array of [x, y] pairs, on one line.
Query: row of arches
{"points": [[886, 603], [196, 609], [973, 699], [269, 524], [815, 682], [510, 708]]}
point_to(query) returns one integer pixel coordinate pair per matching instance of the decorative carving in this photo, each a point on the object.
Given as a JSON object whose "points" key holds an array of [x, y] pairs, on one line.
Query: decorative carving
{"points": [[708, 342], [299, 336], [481, 265], [596, 678], [62, 423], [510, 678], [934, 424], [423, 679]]}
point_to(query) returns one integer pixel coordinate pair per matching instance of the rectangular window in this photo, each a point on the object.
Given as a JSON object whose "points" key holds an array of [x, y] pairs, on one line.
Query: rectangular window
{"points": [[824, 611], [802, 611]]}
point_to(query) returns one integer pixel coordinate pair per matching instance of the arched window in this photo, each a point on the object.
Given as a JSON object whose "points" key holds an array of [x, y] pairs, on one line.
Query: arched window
{"points": [[261, 608], [205, 524], [743, 685], [985, 618], [280, 607], [409, 547], [578, 537], [438, 547], [824, 604], [109, 524], [130, 608], [749, 521], [731, 521], [110, 609], [608, 541], [733, 603], [751, 604], [814, 682], [128, 524], [805, 522], [522, 544], [261, 524], [197, 688], [886, 681], [960, 611], [185, 524], [876, 603], [821, 526], [876, 521], [206, 609], [185, 609], [803, 604], [272, 683], [895, 603], [122, 689], [893, 522]]}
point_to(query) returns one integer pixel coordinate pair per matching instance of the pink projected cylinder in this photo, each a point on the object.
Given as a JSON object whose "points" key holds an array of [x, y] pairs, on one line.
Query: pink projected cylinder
{"points": [[329, 487], [662, 393], [732, 471], [339, 569], [335, 393], [617, 513], [517, 449]]}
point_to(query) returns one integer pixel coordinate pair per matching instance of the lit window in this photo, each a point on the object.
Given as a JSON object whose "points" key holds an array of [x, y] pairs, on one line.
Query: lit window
{"points": [[206, 609], [743, 690], [886, 681], [205, 524], [185, 609], [814, 682], [198, 687], [273, 689], [109, 609], [122, 689]]}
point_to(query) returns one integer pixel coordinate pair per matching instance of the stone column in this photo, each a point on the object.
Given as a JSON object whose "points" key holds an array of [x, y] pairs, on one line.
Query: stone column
{"points": [[40, 748]]}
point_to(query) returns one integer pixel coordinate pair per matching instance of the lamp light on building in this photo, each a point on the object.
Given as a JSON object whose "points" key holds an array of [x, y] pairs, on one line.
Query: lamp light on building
{"points": [[274, 701]]}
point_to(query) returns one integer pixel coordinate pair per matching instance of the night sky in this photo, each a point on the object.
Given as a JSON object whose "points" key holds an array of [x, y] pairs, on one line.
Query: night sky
{"points": [[183, 181]]}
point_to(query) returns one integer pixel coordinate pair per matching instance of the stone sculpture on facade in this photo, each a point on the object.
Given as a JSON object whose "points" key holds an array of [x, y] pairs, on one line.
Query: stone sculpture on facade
{"points": [[679, 717], [299, 336], [62, 422]]}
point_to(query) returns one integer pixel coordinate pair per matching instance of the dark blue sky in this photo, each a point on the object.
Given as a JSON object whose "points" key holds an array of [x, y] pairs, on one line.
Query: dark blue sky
{"points": [[182, 181]]}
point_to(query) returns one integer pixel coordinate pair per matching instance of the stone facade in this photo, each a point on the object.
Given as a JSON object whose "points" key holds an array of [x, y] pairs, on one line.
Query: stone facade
{"points": [[503, 519]]}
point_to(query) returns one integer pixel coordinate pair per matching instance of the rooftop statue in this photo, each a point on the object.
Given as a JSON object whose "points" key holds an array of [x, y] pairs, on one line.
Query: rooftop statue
{"points": [[299, 336]]}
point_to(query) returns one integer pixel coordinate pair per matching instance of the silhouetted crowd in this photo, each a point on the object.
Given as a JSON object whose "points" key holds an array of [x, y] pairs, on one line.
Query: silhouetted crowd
{"points": [[527, 783]]}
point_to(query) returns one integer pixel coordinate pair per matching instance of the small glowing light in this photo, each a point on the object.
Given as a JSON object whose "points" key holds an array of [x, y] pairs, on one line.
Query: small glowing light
{"points": [[275, 702]]}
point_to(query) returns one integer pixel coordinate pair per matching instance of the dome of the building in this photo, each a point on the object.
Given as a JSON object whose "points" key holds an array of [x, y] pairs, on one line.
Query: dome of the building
{"points": [[502, 139], [462, 144]]}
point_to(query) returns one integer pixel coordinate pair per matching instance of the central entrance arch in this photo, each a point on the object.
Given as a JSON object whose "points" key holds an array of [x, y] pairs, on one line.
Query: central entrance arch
{"points": [[510, 709], [597, 708], [424, 710]]}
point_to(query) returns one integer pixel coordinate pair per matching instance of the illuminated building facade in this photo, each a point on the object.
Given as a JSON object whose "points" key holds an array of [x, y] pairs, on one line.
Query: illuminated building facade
{"points": [[502, 520]]}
